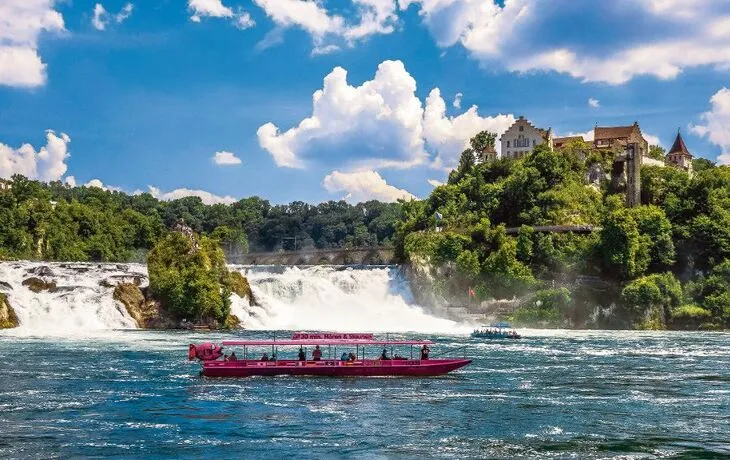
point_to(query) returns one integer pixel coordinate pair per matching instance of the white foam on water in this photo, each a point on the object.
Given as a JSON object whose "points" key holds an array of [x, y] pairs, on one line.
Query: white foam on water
{"points": [[313, 298], [331, 298], [79, 303]]}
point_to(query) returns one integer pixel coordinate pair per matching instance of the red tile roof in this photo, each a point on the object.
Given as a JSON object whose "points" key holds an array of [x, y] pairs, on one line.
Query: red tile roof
{"points": [[679, 146]]}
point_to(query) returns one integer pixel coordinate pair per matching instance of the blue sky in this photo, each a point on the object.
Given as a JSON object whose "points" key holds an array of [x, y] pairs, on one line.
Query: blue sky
{"points": [[143, 97]]}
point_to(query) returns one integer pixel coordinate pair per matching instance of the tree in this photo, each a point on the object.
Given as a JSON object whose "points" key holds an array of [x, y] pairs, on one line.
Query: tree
{"points": [[653, 297], [656, 152], [189, 276], [624, 251], [702, 164], [482, 140]]}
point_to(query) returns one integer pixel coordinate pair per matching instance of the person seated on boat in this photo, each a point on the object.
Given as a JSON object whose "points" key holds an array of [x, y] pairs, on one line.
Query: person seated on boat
{"points": [[384, 354], [351, 357], [302, 354], [344, 356], [273, 357], [317, 353], [425, 351], [232, 357], [265, 357]]}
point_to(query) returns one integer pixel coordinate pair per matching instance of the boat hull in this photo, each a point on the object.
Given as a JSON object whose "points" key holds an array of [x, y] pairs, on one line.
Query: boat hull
{"points": [[332, 368]]}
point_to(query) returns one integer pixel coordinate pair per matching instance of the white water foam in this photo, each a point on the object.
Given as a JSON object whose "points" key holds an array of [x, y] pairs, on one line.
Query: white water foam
{"points": [[330, 298], [312, 298], [78, 303]]}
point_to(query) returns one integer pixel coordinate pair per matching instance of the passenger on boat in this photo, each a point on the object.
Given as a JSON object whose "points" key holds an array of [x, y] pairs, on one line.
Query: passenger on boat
{"points": [[425, 351], [232, 357], [351, 357], [302, 354], [384, 354], [344, 356], [265, 357], [273, 357], [317, 353]]}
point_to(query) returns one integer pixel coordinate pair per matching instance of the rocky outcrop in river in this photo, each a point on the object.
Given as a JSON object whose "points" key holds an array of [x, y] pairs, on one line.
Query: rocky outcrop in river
{"points": [[8, 318]]}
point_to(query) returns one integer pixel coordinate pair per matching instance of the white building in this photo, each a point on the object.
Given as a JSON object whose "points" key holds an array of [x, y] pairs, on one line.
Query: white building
{"points": [[522, 137]]}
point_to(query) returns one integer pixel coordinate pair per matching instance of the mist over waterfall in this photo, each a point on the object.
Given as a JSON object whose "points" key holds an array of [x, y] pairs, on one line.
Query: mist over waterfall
{"points": [[292, 298], [337, 298]]}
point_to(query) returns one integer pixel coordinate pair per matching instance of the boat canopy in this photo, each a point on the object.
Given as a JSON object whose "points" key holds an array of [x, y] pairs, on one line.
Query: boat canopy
{"points": [[310, 339], [353, 342]]}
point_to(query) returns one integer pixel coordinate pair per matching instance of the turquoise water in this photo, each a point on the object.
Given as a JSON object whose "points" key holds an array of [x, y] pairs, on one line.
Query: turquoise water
{"points": [[553, 395]]}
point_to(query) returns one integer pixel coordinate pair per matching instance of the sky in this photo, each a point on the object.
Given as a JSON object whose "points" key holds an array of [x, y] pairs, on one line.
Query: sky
{"points": [[316, 100]]}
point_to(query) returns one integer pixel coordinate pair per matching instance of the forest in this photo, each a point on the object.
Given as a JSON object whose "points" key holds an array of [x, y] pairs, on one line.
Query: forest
{"points": [[663, 264], [52, 221]]}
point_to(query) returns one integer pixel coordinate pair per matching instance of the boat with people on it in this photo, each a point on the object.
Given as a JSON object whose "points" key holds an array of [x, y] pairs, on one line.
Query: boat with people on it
{"points": [[496, 331], [311, 360]]}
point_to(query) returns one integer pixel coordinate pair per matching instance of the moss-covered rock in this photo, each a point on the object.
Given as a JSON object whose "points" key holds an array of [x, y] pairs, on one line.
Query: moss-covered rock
{"points": [[146, 312], [37, 285], [232, 322], [8, 319], [241, 287]]}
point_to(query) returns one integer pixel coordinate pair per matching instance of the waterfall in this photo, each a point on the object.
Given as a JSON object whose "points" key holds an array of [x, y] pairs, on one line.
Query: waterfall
{"points": [[79, 302], [337, 298], [290, 298]]}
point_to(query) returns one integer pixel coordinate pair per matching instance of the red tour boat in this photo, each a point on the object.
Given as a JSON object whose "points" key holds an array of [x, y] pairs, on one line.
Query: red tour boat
{"points": [[312, 346]]}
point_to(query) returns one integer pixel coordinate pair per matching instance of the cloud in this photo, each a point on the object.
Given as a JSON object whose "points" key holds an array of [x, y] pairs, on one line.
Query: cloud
{"points": [[224, 158], [449, 136], [206, 197], [716, 127], [330, 31], [651, 139], [94, 183], [215, 9], [47, 164], [457, 100], [379, 124], [21, 24], [595, 103], [124, 13], [434, 182], [528, 35], [363, 186], [100, 18]]}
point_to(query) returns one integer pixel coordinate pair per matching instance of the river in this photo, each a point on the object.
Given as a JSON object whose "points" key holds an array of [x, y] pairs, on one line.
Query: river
{"points": [[554, 394]]}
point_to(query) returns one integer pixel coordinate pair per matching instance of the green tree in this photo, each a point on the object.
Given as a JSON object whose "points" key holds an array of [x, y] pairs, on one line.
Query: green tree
{"points": [[189, 276], [657, 152]]}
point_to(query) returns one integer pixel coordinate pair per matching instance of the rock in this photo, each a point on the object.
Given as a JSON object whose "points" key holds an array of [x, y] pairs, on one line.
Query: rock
{"points": [[41, 271], [115, 280], [146, 312], [232, 322], [56, 289], [8, 319], [240, 286], [5, 286], [38, 284]]}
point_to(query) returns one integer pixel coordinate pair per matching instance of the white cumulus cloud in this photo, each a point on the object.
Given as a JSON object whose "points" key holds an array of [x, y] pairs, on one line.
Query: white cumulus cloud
{"points": [[216, 9], [457, 100], [224, 158], [21, 24], [595, 103], [716, 125], [206, 197], [373, 17], [46, 164], [524, 35], [362, 186], [434, 182], [379, 124]]}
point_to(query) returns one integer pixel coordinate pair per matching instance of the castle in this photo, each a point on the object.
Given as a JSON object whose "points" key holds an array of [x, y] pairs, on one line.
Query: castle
{"points": [[629, 144]]}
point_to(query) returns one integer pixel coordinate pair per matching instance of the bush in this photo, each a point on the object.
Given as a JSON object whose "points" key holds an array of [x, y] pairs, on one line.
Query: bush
{"points": [[188, 275]]}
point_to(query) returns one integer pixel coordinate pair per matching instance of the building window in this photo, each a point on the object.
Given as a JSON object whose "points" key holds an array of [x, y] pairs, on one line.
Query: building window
{"points": [[507, 144], [533, 142], [522, 128]]}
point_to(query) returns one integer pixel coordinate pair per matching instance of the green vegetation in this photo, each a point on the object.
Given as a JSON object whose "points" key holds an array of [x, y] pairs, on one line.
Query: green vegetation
{"points": [[188, 275], [664, 264], [57, 222]]}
